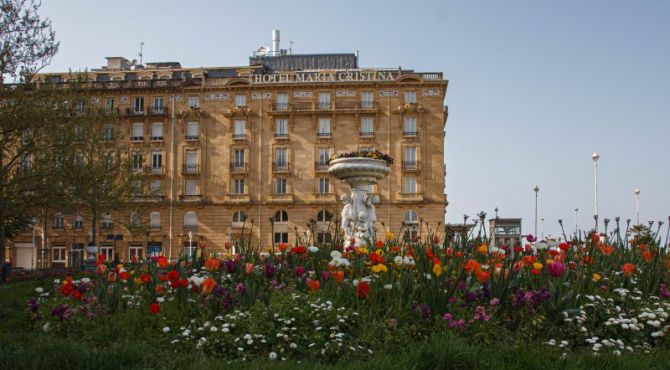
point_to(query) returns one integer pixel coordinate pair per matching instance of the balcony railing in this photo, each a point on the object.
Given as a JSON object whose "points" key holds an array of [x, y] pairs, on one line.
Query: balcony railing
{"points": [[136, 139], [158, 111], [239, 136], [156, 138], [191, 137], [366, 133], [190, 197], [281, 197], [190, 169], [310, 106], [238, 167], [281, 135], [323, 135], [409, 133], [321, 166], [281, 166], [156, 170], [238, 197], [411, 197], [325, 197], [410, 165], [131, 112]]}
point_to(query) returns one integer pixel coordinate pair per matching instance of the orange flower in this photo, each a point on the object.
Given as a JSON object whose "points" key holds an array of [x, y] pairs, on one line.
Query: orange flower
{"points": [[483, 276], [379, 244], [162, 262], [313, 285], [339, 275], [212, 264], [208, 285], [647, 256], [160, 289], [145, 278], [607, 249], [628, 269], [528, 260], [249, 268], [124, 275], [472, 266], [111, 277], [101, 269], [535, 272], [282, 247], [483, 248]]}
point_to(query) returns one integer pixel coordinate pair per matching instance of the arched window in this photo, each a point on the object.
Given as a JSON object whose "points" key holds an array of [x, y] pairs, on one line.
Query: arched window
{"points": [[106, 221], [239, 217], [410, 217], [190, 219], [281, 216], [78, 222], [324, 216], [59, 222]]}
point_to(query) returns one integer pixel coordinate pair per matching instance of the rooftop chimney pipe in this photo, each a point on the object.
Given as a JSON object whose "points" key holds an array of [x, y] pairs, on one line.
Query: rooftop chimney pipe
{"points": [[275, 42]]}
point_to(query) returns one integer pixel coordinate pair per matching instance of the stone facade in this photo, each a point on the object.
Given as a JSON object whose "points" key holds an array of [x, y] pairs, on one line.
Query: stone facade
{"points": [[254, 141]]}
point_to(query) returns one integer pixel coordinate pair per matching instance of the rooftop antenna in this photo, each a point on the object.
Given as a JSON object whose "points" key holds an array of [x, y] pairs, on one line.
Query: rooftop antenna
{"points": [[140, 53]]}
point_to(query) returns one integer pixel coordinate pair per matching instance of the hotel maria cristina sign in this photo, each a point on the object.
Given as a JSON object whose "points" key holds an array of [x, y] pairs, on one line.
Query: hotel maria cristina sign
{"points": [[320, 76]]}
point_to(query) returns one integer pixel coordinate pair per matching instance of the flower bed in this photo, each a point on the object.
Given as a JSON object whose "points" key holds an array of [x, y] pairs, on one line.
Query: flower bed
{"points": [[333, 302], [374, 154]]}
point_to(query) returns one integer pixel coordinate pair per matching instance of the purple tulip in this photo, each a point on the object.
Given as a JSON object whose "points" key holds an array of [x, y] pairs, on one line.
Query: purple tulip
{"points": [[270, 270], [299, 271], [556, 269], [231, 266]]}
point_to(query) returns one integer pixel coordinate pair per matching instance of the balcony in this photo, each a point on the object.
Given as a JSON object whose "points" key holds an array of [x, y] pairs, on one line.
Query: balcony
{"points": [[410, 197], [190, 169], [156, 138], [281, 135], [239, 136], [191, 137], [239, 167], [325, 197], [190, 198], [156, 170], [323, 135], [191, 229], [141, 198], [134, 112], [154, 227], [409, 133], [321, 166], [281, 197], [281, 167], [329, 106], [158, 111], [238, 198], [137, 139], [409, 166], [366, 134]]}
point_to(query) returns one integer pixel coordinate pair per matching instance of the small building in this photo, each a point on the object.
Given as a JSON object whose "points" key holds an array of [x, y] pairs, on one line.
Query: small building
{"points": [[505, 231]]}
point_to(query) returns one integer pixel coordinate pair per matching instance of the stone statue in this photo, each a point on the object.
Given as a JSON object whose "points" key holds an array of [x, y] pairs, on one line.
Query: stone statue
{"points": [[362, 229], [348, 216], [370, 201]]}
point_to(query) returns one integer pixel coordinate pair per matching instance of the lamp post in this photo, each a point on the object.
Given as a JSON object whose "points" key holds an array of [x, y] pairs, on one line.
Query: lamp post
{"points": [[272, 236], [595, 158], [542, 227], [576, 222], [536, 190], [33, 223], [229, 232], [190, 242], [637, 205]]}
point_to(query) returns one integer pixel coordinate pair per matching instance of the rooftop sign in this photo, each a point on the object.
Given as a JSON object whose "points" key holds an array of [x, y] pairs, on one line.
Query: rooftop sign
{"points": [[342, 76]]}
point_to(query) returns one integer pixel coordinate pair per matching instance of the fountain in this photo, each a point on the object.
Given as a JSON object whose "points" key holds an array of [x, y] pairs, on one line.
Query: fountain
{"points": [[358, 214]]}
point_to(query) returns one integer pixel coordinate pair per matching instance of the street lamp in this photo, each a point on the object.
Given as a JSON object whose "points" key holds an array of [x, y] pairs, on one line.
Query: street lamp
{"points": [[576, 222], [542, 226], [190, 243], [33, 223], [637, 205], [536, 190], [595, 158]]}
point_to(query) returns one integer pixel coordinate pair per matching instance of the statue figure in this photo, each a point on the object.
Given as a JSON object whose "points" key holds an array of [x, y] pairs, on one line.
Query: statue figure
{"points": [[362, 229], [370, 201], [348, 216]]}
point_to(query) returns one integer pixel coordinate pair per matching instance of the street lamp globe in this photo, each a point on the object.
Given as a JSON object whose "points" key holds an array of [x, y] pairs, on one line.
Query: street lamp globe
{"points": [[595, 156]]}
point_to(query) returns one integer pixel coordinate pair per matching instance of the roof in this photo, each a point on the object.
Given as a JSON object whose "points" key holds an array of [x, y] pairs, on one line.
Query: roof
{"points": [[298, 62]]}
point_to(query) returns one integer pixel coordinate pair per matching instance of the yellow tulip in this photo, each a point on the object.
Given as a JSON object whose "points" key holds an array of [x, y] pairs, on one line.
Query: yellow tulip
{"points": [[437, 270], [537, 266], [483, 248], [379, 268], [596, 276]]}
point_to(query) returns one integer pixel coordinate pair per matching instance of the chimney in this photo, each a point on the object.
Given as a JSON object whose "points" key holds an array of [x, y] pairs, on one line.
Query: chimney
{"points": [[275, 42]]}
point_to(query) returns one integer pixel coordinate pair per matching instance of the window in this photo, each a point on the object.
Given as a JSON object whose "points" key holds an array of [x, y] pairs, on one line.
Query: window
{"points": [[324, 185], [238, 158], [155, 249], [81, 104], [109, 105], [410, 126], [155, 220], [78, 222], [323, 237], [240, 100], [136, 188], [410, 217], [138, 161], [281, 216], [138, 132], [409, 157], [280, 238], [78, 133], [365, 148], [108, 135], [190, 220], [191, 162], [158, 106], [135, 220], [366, 99], [135, 252], [239, 129], [409, 185], [410, 97], [193, 102], [367, 127], [59, 222], [192, 131], [106, 221], [281, 128], [324, 216], [324, 127], [280, 185], [157, 131], [281, 157], [58, 253], [324, 156], [79, 159], [190, 187], [324, 100], [156, 187], [156, 162], [107, 251], [282, 101], [138, 105], [239, 217], [27, 162], [238, 186]]}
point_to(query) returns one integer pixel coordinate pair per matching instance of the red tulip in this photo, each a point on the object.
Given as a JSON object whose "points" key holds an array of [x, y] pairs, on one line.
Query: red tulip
{"points": [[362, 289], [154, 308]]}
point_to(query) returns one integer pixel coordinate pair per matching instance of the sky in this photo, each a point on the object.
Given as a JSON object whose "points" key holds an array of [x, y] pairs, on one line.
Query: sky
{"points": [[535, 86]]}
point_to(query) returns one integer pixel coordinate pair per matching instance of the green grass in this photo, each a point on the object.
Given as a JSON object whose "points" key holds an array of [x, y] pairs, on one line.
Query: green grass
{"points": [[125, 342]]}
